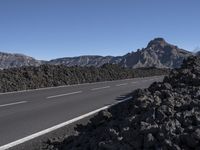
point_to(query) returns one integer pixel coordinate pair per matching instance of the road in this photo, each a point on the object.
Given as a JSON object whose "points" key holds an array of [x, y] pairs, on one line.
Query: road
{"points": [[26, 113]]}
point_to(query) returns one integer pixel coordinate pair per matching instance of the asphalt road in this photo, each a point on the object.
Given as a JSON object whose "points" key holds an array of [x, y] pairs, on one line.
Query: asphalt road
{"points": [[26, 113]]}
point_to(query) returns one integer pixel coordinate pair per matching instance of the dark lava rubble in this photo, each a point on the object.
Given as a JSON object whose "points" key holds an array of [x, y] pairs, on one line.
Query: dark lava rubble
{"points": [[164, 116]]}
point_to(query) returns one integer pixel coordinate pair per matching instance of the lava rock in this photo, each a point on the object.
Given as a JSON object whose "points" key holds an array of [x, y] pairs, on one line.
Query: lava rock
{"points": [[164, 116]]}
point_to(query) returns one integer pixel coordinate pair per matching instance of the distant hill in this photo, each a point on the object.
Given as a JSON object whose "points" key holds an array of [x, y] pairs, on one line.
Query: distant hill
{"points": [[158, 53], [96, 61], [8, 60]]}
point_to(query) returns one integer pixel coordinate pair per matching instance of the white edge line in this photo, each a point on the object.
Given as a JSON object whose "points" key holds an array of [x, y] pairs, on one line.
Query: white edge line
{"points": [[35, 135], [64, 94], [99, 88], [62, 86], [16, 103], [122, 84]]}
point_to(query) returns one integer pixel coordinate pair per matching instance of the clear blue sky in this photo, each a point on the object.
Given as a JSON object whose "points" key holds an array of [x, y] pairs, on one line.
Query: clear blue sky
{"points": [[47, 29]]}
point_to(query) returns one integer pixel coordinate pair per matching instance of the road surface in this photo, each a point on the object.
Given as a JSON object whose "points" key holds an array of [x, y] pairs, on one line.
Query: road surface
{"points": [[26, 113]]}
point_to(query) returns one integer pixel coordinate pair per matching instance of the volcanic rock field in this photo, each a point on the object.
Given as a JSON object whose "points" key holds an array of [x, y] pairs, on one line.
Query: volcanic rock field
{"points": [[165, 116]]}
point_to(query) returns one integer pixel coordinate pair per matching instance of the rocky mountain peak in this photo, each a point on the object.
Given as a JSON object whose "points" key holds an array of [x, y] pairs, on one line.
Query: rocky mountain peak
{"points": [[157, 42], [158, 53]]}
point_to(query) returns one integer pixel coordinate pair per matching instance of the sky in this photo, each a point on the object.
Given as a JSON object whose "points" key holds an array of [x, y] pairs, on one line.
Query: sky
{"points": [[48, 29]]}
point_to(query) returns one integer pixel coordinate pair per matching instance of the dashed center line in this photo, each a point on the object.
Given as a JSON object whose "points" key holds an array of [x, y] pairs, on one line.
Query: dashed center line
{"points": [[99, 88], [54, 96], [122, 84], [16, 103]]}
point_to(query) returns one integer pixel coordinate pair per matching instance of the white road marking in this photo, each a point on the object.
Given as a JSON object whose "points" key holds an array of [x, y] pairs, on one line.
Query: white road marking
{"points": [[122, 84], [16, 103], [99, 88], [35, 135], [60, 95]]}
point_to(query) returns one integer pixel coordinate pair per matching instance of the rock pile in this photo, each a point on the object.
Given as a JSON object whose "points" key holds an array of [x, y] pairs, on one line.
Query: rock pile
{"points": [[164, 116]]}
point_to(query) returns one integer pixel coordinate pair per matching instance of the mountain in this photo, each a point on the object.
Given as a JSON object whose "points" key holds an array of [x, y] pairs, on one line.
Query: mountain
{"points": [[90, 60], [8, 60], [158, 53]]}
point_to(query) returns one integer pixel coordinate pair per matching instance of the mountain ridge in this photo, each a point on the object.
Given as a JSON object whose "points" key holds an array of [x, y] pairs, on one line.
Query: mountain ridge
{"points": [[158, 53]]}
